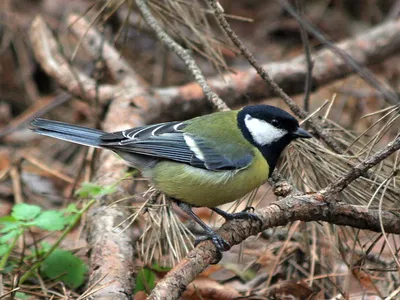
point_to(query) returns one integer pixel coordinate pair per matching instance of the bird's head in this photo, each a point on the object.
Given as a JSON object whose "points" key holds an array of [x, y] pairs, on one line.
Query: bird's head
{"points": [[270, 129]]}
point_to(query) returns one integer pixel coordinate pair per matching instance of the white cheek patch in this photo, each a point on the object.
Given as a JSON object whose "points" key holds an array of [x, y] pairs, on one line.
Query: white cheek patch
{"points": [[193, 147], [262, 132]]}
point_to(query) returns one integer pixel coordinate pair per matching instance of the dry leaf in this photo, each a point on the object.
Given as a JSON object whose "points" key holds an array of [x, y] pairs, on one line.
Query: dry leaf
{"points": [[206, 288]]}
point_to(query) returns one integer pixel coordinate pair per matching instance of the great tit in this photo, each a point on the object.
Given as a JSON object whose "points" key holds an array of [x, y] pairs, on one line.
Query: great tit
{"points": [[205, 161]]}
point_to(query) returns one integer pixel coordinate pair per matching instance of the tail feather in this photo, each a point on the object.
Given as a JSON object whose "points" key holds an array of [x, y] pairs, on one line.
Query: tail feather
{"points": [[67, 132]]}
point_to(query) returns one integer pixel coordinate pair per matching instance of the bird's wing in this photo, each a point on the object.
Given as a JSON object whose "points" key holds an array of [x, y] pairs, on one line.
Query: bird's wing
{"points": [[169, 141]]}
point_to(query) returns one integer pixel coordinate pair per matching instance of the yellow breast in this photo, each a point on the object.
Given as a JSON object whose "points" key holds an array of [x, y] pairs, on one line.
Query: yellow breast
{"points": [[209, 188]]}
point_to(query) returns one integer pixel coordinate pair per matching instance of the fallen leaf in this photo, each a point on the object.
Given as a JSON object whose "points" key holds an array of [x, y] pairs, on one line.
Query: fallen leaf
{"points": [[206, 288], [289, 289]]}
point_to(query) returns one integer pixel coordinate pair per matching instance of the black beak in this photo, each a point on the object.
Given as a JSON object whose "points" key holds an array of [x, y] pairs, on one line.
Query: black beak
{"points": [[301, 133]]}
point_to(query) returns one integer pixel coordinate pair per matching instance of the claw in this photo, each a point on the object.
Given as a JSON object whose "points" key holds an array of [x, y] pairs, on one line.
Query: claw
{"points": [[218, 241], [245, 214], [249, 209]]}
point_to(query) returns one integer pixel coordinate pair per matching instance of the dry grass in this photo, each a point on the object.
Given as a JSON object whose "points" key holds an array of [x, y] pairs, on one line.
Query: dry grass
{"points": [[311, 166], [188, 22]]}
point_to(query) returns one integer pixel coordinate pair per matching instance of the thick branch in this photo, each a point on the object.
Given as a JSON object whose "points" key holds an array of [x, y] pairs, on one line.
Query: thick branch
{"points": [[305, 208], [111, 255], [316, 207], [372, 47], [48, 53], [94, 43], [112, 250]]}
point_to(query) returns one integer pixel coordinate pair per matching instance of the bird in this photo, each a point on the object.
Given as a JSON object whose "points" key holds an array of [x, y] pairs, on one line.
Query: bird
{"points": [[205, 161]]}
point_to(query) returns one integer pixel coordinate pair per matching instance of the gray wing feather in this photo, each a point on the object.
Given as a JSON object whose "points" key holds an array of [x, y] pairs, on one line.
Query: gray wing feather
{"points": [[167, 141]]}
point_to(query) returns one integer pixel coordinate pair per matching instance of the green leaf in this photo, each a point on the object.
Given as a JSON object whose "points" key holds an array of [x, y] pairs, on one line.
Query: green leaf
{"points": [[156, 267], [4, 249], [71, 209], [244, 274], [145, 280], [64, 266], [70, 219], [40, 251], [45, 246], [7, 227], [21, 296], [92, 190], [8, 223], [7, 219], [51, 220], [70, 213], [10, 235], [9, 268], [25, 211], [89, 190]]}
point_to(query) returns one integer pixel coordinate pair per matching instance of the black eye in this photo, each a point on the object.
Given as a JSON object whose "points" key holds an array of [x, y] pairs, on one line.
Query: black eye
{"points": [[275, 123]]}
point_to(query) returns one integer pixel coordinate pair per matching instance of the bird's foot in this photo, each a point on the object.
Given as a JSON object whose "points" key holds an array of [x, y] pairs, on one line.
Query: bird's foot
{"points": [[247, 214], [218, 241]]}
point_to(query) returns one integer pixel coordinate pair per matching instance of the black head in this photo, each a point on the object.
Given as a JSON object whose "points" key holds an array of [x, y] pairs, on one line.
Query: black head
{"points": [[270, 129]]}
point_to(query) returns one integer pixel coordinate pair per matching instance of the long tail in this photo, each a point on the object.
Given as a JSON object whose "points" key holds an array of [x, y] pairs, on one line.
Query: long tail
{"points": [[67, 132]]}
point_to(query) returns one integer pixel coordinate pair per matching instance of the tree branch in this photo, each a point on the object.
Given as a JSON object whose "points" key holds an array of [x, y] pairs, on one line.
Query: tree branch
{"points": [[183, 54], [305, 208], [317, 207], [374, 46], [108, 246], [307, 53], [297, 110], [364, 73], [361, 168], [371, 47], [111, 255], [47, 52]]}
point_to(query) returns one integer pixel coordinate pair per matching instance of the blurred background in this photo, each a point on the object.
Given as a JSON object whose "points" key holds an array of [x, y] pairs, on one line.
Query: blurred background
{"points": [[47, 173]]}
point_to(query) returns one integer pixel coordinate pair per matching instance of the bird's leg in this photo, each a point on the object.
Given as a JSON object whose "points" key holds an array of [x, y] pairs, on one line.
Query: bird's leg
{"points": [[245, 214], [217, 240]]}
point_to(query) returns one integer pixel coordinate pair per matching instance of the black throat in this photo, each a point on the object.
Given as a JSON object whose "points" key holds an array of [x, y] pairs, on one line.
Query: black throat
{"points": [[271, 152]]}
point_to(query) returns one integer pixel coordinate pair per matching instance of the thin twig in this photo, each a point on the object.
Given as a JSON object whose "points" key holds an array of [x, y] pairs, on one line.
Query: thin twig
{"points": [[364, 73], [278, 257], [46, 168], [362, 167], [394, 255], [394, 11], [182, 53], [310, 63], [370, 47], [37, 109], [219, 14], [16, 182]]}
